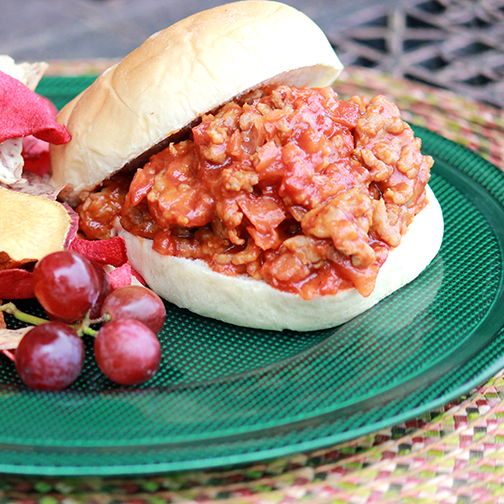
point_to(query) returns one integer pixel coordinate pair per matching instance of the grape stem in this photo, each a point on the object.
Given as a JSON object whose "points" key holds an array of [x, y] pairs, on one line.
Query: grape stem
{"points": [[81, 328], [11, 309]]}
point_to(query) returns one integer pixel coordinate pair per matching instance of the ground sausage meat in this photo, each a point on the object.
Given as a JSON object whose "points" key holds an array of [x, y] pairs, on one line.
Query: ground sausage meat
{"points": [[295, 187]]}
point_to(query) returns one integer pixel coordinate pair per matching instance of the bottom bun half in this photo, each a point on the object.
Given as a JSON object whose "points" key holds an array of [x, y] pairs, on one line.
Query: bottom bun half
{"points": [[246, 302]]}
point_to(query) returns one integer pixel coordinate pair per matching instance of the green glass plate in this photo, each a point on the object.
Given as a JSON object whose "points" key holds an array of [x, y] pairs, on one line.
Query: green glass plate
{"points": [[227, 395]]}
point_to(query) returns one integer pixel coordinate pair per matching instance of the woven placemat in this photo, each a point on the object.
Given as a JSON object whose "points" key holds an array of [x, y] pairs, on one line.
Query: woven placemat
{"points": [[454, 454]]}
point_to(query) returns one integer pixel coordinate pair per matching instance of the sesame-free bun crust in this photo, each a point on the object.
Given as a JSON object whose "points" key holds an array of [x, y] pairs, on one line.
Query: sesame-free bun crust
{"points": [[246, 302], [180, 73]]}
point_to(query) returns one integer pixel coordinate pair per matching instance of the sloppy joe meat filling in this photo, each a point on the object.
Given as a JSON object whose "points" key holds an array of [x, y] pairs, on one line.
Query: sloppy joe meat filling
{"points": [[293, 187]]}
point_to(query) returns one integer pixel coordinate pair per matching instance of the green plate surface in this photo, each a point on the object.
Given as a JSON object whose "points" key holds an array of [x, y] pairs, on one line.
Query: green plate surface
{"points": [[227, 395]]}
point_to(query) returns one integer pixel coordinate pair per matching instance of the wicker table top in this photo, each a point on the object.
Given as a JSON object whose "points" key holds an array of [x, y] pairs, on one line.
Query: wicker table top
{"points": [[454, 454]]}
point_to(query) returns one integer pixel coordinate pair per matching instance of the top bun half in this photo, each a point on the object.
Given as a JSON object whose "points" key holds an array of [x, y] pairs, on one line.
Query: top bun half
{"points": [[180, 73]]}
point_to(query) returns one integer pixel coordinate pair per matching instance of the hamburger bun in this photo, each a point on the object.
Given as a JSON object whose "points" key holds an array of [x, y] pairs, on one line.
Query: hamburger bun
{"points": [[140, 104], [249, 303], [158, 92]]}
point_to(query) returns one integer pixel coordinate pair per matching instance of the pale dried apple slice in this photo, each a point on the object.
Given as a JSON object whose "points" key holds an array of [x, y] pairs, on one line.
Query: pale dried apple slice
{"points": [[31, 227], [10, 338]]}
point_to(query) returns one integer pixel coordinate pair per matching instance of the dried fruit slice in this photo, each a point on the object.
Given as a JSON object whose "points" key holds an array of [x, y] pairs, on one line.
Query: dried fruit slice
{"points": [[31, 227], [10, 338], [25, 113], [16, 283], [111, 251]]}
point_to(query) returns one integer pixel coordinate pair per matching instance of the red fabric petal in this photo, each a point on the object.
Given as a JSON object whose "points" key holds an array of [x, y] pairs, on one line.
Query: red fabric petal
{"points": [[16, 283], [23, 113], [111, 251]]}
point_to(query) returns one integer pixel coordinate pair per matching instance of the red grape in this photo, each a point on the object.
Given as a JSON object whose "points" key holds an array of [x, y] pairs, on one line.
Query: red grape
{"points": [[138, 303], [127, 351], [50, 356], [66, 284]]}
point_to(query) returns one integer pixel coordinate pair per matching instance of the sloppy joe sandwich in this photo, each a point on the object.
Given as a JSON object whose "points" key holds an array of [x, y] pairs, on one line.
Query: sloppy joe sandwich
{"points": [[245, 189]]}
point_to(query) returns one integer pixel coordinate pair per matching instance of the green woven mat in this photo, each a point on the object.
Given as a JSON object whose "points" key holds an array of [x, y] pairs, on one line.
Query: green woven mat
{"points": [[453, 453]]}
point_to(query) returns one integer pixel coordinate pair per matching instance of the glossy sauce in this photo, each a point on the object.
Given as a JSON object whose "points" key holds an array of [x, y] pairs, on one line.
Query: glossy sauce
{"points": [[296, 188]]}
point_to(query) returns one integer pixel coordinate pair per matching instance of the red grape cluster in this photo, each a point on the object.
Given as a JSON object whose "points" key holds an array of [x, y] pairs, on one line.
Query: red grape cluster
{"points": [[72, 289]]}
